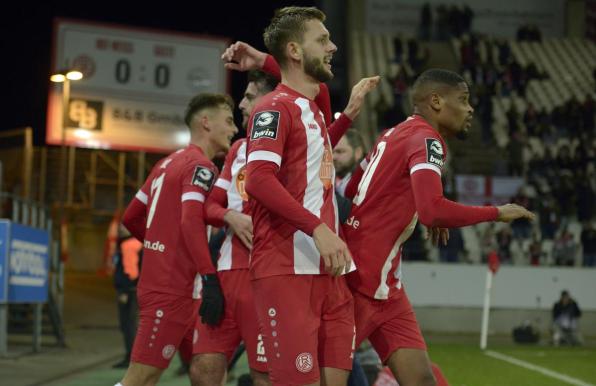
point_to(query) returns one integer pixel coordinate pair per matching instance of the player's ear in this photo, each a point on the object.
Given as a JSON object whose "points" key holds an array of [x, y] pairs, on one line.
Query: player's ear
{"points": [[436, 101], [294, 51], [205, 122]]}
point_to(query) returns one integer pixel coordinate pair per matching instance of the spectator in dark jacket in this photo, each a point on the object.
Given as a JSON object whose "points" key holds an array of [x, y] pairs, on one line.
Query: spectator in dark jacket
{"points": [[127, 264], [566, 313]]}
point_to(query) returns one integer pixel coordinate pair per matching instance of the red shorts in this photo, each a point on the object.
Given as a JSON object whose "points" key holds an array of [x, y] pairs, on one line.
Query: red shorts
{"points": [[239, 323], [307, 322], [166, 324], [388, 324]]}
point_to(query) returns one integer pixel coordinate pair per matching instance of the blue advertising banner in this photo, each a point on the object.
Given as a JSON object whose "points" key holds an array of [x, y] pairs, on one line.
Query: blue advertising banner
{"points": [[29, 265], [4, 241]]}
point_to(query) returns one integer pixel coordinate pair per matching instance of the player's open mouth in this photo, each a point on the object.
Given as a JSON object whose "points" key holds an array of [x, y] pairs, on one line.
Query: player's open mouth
{"points": [[327, 61]]}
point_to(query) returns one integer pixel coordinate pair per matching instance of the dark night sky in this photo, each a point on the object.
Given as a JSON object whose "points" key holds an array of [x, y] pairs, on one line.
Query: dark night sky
{"points": [[26, 32]]}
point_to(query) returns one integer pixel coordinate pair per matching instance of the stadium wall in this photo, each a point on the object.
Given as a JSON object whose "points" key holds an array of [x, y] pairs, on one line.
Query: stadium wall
{"points": [[449, 297]]}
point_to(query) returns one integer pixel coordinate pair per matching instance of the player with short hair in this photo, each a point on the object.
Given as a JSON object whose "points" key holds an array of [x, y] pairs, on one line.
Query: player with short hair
{"points": [[401, 185], [167, 214], [306, 315], [227, 205]]}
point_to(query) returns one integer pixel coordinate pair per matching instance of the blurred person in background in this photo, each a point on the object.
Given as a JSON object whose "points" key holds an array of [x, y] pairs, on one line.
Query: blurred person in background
{"points": [[127, 265], [566, 313]]}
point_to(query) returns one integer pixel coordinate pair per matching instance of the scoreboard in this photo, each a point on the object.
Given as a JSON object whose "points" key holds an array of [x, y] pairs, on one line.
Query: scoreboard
{"points": [[135, 87]]}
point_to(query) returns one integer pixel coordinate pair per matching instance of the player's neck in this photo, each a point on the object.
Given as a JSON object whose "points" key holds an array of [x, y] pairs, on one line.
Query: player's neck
{"points": [[204, 145], [428, 118], [299, 81]]}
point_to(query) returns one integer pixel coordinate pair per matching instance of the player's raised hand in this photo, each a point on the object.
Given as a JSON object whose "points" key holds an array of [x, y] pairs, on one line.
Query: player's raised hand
{"points": [[359, 91], [437, 235], [510, 212], [241, 56], [241, 225], [335, 253]]}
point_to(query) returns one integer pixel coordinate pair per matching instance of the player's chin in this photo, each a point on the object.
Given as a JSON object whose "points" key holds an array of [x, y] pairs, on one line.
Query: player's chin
{"points": [[463, 133]]}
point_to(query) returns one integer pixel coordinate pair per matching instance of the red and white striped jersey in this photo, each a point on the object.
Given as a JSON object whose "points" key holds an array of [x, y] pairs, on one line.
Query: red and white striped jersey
{"points": [[233, 254], [383, 212], [288, 129], [168, 264]]}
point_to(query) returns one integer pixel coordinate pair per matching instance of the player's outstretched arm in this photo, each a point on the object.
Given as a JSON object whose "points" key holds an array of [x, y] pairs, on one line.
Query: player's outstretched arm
{"points": [[434, 210], [338, 128], [510, 212]]}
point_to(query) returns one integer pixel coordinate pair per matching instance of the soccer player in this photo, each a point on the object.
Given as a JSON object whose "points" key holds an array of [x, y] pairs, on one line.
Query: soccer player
{"points": [[228, 205], [306, 314], [401, 185], [167, 214]]}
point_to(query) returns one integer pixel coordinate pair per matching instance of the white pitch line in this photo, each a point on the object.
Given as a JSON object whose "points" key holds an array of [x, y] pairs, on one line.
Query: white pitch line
{"points": [[538, 369]]}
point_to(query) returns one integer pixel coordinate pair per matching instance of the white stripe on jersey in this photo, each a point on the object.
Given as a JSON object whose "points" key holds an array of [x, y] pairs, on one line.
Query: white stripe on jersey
{"points": [[224, 262], [195, 196], [425, 165], [306, 256], [264, 155], [141, 197], [221, 183], [382, 291]]}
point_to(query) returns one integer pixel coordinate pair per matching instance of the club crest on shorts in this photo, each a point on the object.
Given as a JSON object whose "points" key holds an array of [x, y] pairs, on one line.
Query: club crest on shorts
{"points": [[265, 125], [168, 351], [203, 177], [304, 362], [434, 152]]}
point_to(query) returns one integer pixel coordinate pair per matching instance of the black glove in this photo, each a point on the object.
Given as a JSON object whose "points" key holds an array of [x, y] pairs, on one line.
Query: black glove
{"points": [[212, 305]]}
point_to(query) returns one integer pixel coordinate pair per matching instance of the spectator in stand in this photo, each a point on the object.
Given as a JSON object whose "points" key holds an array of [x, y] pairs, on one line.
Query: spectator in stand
{"points": [[565, 194], [504, 244], [585, 195], [425, 22], [451, 252], [513, 119], [565, 250], [521, 228], [488, 241], [588, 238], [531, 119], [535, 251], [588, 115], [548, 210], [566, 313], [516, 161], [564, 160], [467, 18]]}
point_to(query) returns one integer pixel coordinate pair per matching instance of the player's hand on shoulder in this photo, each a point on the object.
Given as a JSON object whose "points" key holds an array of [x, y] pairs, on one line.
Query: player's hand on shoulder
{"points": [[241, 225], [333, 250], [241, 56], [359, 91], [510, 212]]}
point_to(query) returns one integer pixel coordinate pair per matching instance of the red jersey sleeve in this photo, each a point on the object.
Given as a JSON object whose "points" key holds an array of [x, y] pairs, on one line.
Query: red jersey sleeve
{"points": [[135, 215], [216, 205], [269, 132], [197, 182], [425, 162]]}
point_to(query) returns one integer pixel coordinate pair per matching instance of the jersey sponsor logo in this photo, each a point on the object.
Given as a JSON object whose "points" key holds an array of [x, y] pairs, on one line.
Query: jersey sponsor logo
{"points": [[203, 178], [434, 152], [265, 125], [326, 171], [154, 246], [304, 362], [241, 183]]}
